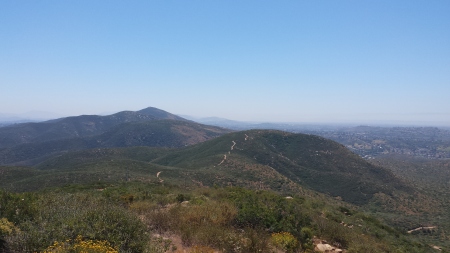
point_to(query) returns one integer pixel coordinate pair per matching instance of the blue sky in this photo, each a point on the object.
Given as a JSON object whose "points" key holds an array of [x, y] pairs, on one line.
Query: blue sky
{"points": [[291, 61]]}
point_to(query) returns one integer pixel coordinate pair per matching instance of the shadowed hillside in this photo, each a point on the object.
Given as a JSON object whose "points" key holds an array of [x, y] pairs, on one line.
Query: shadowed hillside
{"points": [[258, 158], [308, 160], [305, 165], [156, 133], [76, 126]]}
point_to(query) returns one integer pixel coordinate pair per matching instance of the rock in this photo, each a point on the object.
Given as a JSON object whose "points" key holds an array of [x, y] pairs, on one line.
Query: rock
{"points": [[324, 247], [437, 248]]}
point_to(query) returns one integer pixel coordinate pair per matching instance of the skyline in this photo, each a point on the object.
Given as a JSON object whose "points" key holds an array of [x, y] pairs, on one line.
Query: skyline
{"points": [[316, 62], [39, 116]]}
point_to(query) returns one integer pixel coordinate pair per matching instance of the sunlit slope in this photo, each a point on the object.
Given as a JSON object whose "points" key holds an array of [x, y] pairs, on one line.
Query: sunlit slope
{"points": [[320, 164], [259, 159], [89, 167], [156, 133]]}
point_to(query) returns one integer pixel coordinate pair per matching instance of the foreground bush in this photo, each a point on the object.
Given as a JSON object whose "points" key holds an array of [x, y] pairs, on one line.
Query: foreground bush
{"points": [[223, 219], [269, 210], [65, 216], [79, 245], [6, 229], [284, 241]]}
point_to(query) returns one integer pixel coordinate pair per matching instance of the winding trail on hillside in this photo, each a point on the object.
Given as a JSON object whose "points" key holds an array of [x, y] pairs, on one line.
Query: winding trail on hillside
{"points": [[157, 176], [224, 158], [232, 148], [420, 228]]}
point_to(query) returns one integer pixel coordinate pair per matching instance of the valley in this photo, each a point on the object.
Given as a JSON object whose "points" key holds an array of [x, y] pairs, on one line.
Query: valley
{"points": [[168, 172]]}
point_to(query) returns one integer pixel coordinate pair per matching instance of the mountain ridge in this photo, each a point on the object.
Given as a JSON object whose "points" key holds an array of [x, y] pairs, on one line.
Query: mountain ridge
{"points": [[155, 133], [75, 126], [322, 165], [151, 147], [314, 162]]}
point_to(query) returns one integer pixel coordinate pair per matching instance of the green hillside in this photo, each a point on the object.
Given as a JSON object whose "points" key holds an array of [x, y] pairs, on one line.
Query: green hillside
{"points": [[76, 126], [155, 133], [306, 166], [265, 159], [320, 164], [432, 178], [153, 217]]}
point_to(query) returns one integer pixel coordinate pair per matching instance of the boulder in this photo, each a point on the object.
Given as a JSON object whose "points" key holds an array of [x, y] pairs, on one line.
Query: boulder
{"points": [[324, 247]]}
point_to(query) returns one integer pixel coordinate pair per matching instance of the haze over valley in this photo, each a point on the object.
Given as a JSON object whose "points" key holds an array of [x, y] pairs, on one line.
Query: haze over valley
{"points": [[225, 127], [373, 170]]}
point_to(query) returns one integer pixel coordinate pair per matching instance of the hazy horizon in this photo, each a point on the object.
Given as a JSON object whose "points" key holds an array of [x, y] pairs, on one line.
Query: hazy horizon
{"points": [[42, 116], [352, 62]]}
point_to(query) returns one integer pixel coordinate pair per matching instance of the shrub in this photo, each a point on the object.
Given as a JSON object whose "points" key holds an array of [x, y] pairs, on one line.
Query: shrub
{"points": [[180, 198], [268, 210], [80, 245], [127, 199], [65, 216], [208, 213], [255, 241], [18, 206], [7, 228], [205, 223], [142, 207], [284, 241], [333, 231], [160, 245], [306, 236]]}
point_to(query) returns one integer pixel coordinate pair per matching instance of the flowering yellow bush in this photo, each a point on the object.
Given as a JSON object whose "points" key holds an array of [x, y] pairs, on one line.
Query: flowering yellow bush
{"points": [[79, 245], [6, 227], [284, 241]]}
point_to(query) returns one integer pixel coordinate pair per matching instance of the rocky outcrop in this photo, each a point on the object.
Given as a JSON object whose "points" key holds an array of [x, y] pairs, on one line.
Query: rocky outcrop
{"points": [[323, 246]]}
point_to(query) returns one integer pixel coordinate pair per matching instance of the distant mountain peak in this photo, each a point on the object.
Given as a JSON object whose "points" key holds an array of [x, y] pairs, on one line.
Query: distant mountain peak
{"points": [[77, 126], [159, 113]]}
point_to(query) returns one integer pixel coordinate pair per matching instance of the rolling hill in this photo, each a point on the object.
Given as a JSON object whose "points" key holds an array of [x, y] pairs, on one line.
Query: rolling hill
{"points": [[304, 165], [317, 163], [154, 133], [75, 127], [153, 147], [260, 158]]}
